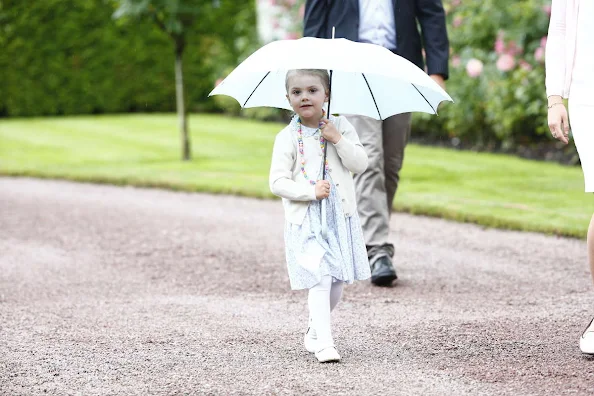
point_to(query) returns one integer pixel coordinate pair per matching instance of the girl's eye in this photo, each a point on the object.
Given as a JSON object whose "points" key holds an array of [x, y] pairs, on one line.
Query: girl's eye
{"points": [[313, 90], [296, 92]]}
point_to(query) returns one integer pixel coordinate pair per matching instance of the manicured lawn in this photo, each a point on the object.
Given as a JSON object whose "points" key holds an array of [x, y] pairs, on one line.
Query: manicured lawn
{"points": [[232, 156]]}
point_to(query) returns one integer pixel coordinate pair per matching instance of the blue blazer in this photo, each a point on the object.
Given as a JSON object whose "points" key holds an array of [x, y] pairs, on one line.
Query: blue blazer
{"points": [[321, 15]]}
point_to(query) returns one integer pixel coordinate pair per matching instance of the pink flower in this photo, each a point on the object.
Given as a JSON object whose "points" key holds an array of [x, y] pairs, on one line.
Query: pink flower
{"points": [[291, 36], [219, 80], [455, 3], [456, 61], [539, 54], [547, 9], [543, 42], [302, 11], [525, 65], [513, 48], [505, 63], [499, 46], [457, 21], [291, 3], [474, 67]]}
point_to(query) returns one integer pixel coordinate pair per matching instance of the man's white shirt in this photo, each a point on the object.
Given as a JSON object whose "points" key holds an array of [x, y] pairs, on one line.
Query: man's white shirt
{"points": [[376, 23]]}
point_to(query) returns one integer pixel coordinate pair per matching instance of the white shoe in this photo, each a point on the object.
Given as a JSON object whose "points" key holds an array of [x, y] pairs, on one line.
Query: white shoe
{"points": [[310, 340], [587, 339], [328, 355]]}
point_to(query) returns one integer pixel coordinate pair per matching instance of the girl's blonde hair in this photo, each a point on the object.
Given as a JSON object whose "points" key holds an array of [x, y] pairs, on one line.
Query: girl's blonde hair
{"points": [[321, 73]]}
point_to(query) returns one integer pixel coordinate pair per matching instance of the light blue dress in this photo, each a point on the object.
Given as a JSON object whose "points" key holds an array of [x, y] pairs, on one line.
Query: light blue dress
{"points": [[342, 255]]}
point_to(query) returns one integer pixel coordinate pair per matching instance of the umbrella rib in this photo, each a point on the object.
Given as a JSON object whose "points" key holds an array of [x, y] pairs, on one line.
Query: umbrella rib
{"points": [[372, 97], [434, 112], [249, 97]]}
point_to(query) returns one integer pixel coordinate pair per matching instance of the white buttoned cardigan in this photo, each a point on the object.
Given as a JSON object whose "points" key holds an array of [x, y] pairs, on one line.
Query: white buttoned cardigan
{"points": [[344, 158]]}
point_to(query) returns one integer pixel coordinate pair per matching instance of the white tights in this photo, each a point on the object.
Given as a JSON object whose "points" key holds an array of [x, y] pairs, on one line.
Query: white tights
{"points": [[322, 299]]}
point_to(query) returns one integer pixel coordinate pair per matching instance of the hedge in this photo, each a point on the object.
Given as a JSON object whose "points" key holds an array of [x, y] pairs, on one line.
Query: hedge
{"points": [[63, 57]]}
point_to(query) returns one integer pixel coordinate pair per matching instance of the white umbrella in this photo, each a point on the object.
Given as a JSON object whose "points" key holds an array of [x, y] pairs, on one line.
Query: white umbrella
{"points": [[365, 79]]}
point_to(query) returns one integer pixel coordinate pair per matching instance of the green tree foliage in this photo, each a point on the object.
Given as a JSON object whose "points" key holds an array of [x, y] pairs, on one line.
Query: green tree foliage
{"points": [[62, 57], [176, 18]]}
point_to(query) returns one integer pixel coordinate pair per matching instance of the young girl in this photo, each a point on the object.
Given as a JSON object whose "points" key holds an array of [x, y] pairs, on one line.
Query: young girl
{"points": [[319, 264]]}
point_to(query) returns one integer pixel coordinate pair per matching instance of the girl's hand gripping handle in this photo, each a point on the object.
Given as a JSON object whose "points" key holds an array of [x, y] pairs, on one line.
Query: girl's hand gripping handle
{"points": [[322, 189]]}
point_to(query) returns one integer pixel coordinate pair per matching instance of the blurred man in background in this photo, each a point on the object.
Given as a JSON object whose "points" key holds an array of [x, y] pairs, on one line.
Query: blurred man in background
{"points": [[393, 25]]}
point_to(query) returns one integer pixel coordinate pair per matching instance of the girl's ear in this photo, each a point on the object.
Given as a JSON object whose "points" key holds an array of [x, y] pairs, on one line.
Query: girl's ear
{"points": [[287, 96]]}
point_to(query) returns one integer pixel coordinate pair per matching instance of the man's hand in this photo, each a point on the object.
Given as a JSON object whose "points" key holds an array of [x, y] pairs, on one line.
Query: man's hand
{"points": [[438, 78]]}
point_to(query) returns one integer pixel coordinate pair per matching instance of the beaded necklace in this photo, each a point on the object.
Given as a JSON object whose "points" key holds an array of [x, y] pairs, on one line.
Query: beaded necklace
{"points": [[300, 143]]}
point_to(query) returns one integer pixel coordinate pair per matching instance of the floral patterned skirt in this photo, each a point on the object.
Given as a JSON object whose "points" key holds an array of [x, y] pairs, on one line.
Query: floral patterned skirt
{"points": [[342, 255]]}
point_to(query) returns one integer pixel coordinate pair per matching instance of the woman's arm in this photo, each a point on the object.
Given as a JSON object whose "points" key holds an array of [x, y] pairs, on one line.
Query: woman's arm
{"points": [[555, 64], [281, 171], [555, 51]]}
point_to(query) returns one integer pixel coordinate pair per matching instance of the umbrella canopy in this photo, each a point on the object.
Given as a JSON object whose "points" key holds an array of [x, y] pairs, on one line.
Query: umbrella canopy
{"points": [[367, 79]]}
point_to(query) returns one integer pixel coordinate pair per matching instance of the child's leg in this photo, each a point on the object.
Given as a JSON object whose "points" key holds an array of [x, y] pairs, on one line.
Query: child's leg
{"points": [[335, 294], [319, 312]]}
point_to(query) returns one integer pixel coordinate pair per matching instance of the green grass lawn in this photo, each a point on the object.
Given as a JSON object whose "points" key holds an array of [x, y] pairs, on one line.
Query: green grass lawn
{"points": [[232, 156]]}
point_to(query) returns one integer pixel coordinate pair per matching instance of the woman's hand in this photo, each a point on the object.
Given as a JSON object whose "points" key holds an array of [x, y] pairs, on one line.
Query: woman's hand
{"points": [[322, 189], [559, 121], [329, 131]]}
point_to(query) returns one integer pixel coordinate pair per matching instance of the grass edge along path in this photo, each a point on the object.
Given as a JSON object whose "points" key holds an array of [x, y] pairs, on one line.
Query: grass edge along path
{"points": [[231, 156]]}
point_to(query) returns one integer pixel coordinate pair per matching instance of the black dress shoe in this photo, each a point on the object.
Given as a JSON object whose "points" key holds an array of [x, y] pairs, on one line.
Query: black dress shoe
{"points": [[382, 271]]}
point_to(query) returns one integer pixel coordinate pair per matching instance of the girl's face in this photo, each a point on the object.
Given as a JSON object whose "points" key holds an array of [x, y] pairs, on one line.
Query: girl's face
{"points": [[307, 97]]}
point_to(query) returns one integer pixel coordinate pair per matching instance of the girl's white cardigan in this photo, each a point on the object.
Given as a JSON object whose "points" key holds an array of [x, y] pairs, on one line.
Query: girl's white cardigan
{"points": [[287, 181]]}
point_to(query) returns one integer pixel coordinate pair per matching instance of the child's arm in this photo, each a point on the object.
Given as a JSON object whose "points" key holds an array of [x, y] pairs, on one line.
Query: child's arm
{"points": [[349, 148], [281, 168]]}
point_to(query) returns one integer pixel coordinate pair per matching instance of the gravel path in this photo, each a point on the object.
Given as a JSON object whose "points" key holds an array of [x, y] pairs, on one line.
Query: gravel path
{"points": [[109, 290]]}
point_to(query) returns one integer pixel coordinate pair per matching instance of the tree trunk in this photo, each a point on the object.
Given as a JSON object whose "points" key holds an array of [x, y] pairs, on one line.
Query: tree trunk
{"points": [[179, 93]]}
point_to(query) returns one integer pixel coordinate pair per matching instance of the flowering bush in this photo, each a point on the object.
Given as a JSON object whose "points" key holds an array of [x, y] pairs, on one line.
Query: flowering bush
{"points": [[496, 71], [284, 18]]}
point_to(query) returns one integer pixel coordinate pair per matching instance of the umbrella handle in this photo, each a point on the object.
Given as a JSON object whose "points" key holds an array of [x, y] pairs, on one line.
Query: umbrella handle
{"points": [[323, 209], [324, 220], [326, 145]]}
